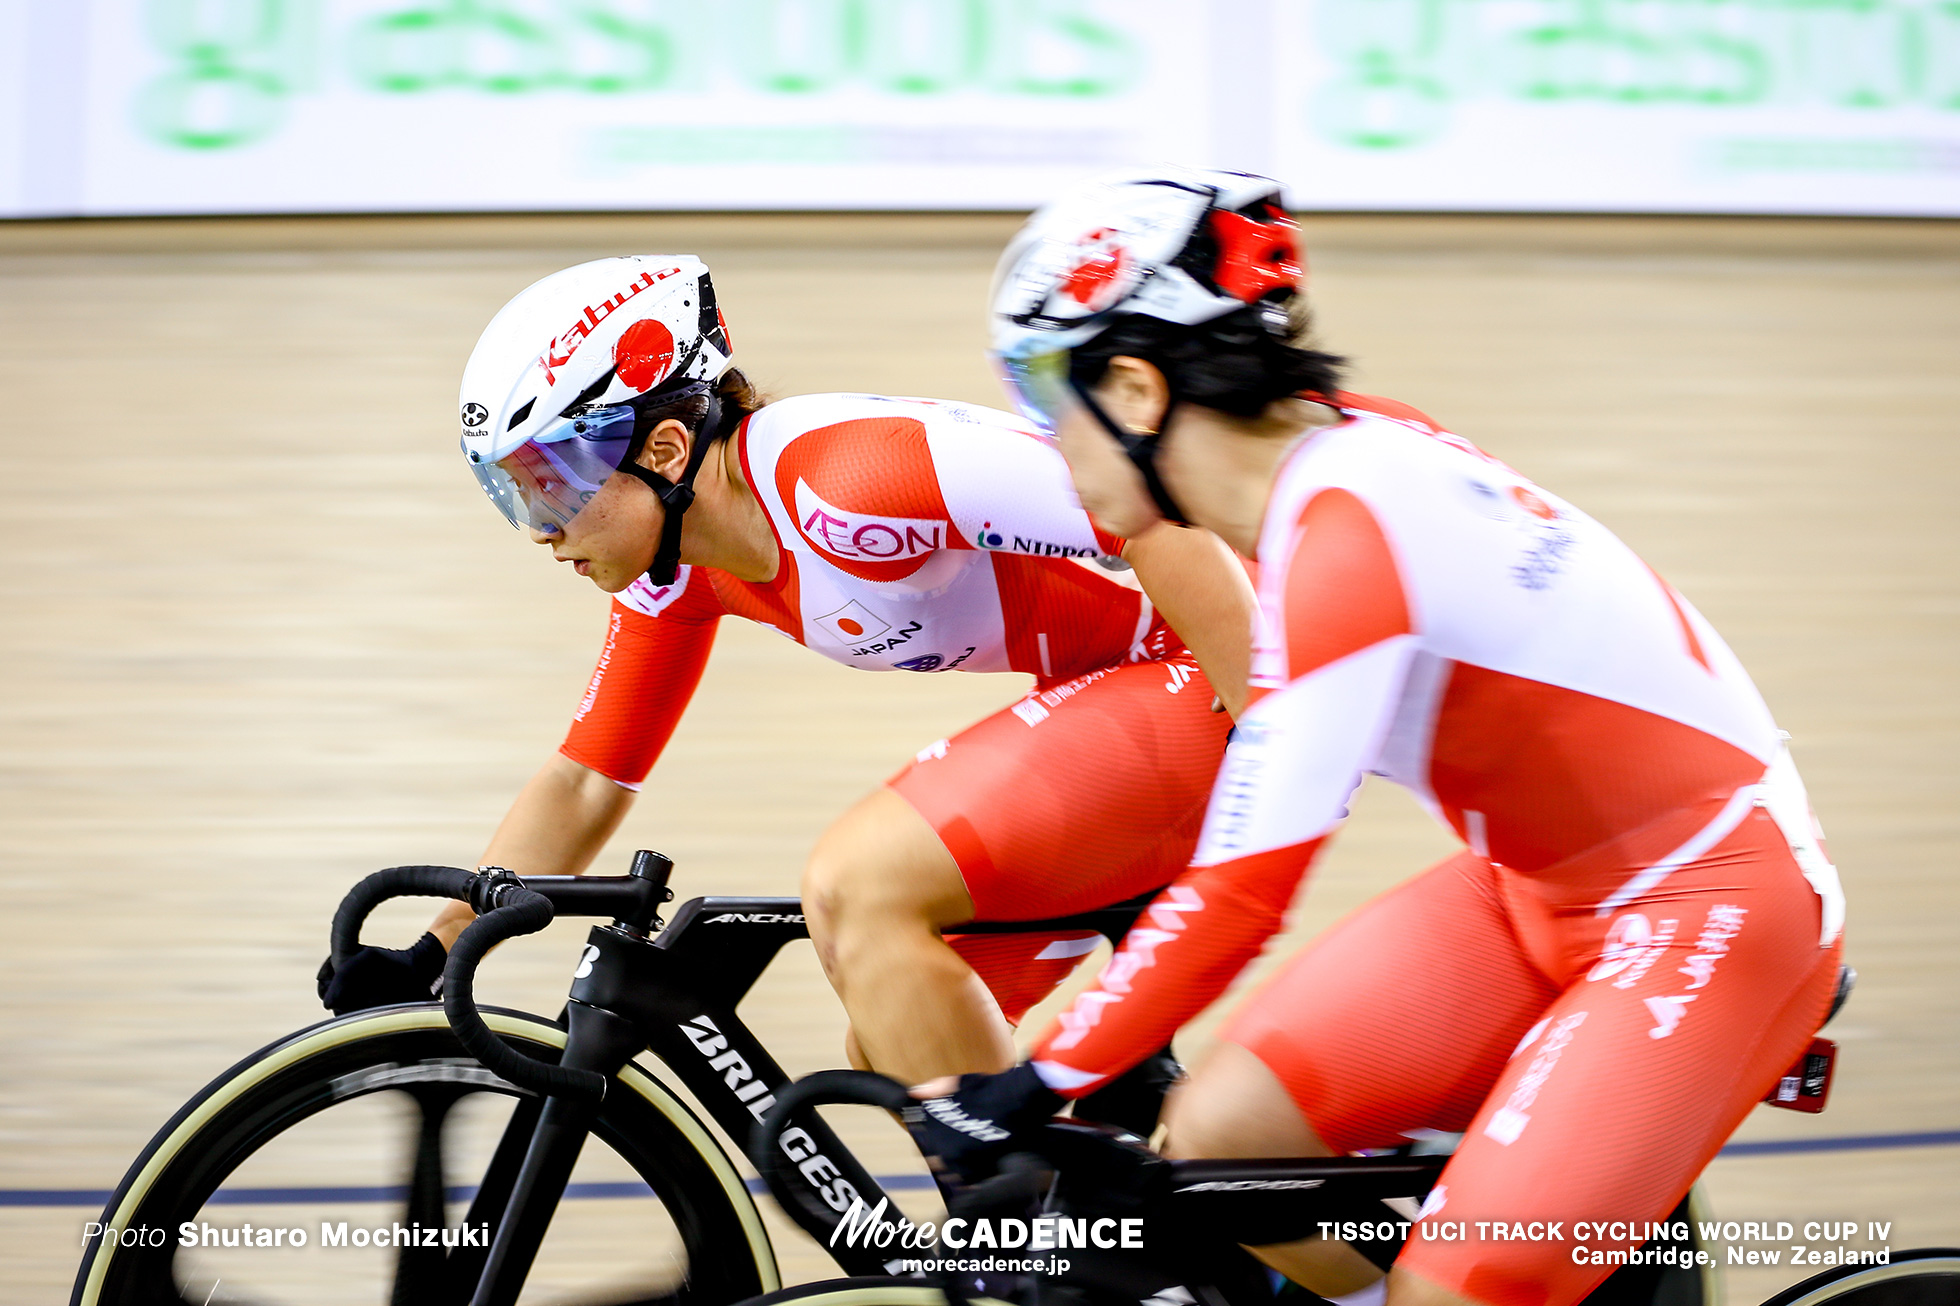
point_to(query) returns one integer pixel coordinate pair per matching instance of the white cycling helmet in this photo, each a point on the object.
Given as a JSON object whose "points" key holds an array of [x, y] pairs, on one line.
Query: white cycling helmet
{"points": [[1182, 247], [553, 390]]}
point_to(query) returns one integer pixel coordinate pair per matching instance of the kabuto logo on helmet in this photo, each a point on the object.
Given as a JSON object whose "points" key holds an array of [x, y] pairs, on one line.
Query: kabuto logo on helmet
{"points": [[475, 414], [563, 345]]}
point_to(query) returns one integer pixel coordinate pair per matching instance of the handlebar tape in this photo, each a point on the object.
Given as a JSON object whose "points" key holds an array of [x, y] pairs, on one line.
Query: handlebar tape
{"points": [[395, 882], [520, 911], [824, 1088], [505, 910]]}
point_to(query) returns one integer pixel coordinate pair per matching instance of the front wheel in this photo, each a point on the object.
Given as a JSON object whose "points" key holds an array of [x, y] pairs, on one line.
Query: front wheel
{"points": [[1924, 1276], [367, 1159]]}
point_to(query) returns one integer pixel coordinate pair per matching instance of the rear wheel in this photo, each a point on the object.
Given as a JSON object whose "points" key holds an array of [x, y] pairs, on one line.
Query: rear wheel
{"points": [[356, 1137], [1924, 1276]]}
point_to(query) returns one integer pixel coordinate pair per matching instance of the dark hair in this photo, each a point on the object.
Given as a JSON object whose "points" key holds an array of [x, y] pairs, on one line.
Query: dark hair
{"points": [[1236, 364], [689, 406]]}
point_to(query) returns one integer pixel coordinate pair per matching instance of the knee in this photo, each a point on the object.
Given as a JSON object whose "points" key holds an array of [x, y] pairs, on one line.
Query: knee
{"points": [[827, 897], [840, 890], [1236, 1107], [880, 868], [851, 899], [1197, 1125]]}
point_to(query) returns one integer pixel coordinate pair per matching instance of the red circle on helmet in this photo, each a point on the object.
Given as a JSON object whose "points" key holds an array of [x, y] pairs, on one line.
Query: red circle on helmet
{"points": [[644, 353], [1097, 276]]}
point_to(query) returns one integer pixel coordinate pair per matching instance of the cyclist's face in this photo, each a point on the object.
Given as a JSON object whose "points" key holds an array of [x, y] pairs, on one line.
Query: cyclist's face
{"points": [[612, 539], [1107, 482]]}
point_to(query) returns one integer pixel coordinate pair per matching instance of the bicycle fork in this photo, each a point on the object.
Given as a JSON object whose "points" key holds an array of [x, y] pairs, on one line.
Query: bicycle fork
{"points": [[596, 1039]]}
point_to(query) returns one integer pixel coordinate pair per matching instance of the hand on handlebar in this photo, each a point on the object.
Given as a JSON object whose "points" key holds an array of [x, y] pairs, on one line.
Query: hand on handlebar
{"points": [[967, 1125], [380, 977]]}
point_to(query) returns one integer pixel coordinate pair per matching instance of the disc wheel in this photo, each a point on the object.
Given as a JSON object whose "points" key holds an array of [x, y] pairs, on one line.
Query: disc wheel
{"points": [[355, 1138]]}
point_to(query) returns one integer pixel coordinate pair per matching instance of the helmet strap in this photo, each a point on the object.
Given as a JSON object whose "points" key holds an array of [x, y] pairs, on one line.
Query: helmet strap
{"points": [[675, 496], [1142, 452]]}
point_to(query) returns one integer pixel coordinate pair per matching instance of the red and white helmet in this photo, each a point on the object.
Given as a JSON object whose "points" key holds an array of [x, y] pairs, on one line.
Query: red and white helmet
{"points": [[549, 396], [1181, 245]]}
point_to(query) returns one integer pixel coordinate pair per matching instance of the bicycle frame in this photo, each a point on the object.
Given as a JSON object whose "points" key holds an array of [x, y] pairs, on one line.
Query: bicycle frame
{"points": [[676, 994]]}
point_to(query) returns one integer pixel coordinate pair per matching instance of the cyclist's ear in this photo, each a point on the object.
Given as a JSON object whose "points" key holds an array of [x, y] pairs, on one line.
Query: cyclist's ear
{"points": [[1134, 393], [666, 449]]}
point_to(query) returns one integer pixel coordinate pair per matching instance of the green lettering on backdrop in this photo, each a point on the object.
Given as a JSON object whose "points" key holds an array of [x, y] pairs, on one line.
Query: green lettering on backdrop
{"points": [[797, 47], [1403, 63], [483, 46], [1063, 50], [925, 47], [220, 92], [230, 76], [1401, 67]]}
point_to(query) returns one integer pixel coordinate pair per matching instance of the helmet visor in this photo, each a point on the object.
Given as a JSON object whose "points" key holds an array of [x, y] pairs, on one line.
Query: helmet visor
{"points": [[1040, 386], [544, 482]]}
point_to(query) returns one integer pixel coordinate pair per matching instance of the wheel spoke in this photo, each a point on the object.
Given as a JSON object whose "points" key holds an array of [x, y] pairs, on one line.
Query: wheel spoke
{"points": [[420, 1271], [487, 1207], [163, 1292]]}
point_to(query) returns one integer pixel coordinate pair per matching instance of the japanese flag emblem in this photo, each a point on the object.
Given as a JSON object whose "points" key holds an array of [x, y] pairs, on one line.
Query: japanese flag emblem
{"points": [[851, 624]]}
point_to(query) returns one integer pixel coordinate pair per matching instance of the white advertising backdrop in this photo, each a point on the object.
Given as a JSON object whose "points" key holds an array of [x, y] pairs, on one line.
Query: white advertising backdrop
{"points": [[245, 106]]}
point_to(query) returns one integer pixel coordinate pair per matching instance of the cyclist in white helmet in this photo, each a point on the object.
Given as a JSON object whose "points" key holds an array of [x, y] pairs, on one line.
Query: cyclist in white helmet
{"points": [[601, 413], [1641, 932]]}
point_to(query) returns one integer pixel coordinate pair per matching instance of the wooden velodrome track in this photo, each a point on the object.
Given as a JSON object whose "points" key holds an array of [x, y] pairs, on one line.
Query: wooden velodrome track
{"points": [[263, 635]]}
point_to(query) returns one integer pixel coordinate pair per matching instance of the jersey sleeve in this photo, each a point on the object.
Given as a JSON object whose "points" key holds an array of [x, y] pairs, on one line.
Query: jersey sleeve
{"points": [[657, 644], [1345, 641]]}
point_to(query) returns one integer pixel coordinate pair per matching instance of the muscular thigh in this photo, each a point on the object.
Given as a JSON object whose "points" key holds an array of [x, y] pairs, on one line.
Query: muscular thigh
{"points": [[1083, 794], [1401, 1016], [1668, 1030]]}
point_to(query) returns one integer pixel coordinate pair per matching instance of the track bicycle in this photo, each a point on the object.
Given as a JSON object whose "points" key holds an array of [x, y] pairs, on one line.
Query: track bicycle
{"points": [[438, 1142], [467, 1128], [1077, 1176]]}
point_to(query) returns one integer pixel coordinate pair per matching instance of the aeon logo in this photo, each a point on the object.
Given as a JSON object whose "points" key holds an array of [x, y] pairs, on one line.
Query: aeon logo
{"points": [[862, 538]]}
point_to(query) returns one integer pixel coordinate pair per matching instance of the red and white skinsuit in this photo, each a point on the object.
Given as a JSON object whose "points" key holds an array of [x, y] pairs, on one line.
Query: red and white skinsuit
{"points": [[925, 536], [1642, 932]]}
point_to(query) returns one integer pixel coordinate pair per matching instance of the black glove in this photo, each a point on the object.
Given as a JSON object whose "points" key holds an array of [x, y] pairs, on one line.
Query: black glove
{"points": [[381, 977], [982, 1120], [1134, 1100]]}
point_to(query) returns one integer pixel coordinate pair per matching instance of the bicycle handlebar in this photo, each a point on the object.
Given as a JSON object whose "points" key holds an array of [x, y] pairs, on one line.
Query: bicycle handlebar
{"points": [[505, 908], [1022, 1177], [395, 882], [512, 910]]}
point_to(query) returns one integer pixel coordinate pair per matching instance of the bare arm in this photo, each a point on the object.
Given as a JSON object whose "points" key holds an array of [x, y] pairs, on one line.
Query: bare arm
{"points": [[1201, 587], [557, 825]]}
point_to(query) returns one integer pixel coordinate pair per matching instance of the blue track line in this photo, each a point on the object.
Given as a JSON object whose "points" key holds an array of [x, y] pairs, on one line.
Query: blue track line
{"points": [[98, 1197], [1855, 1143]]}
